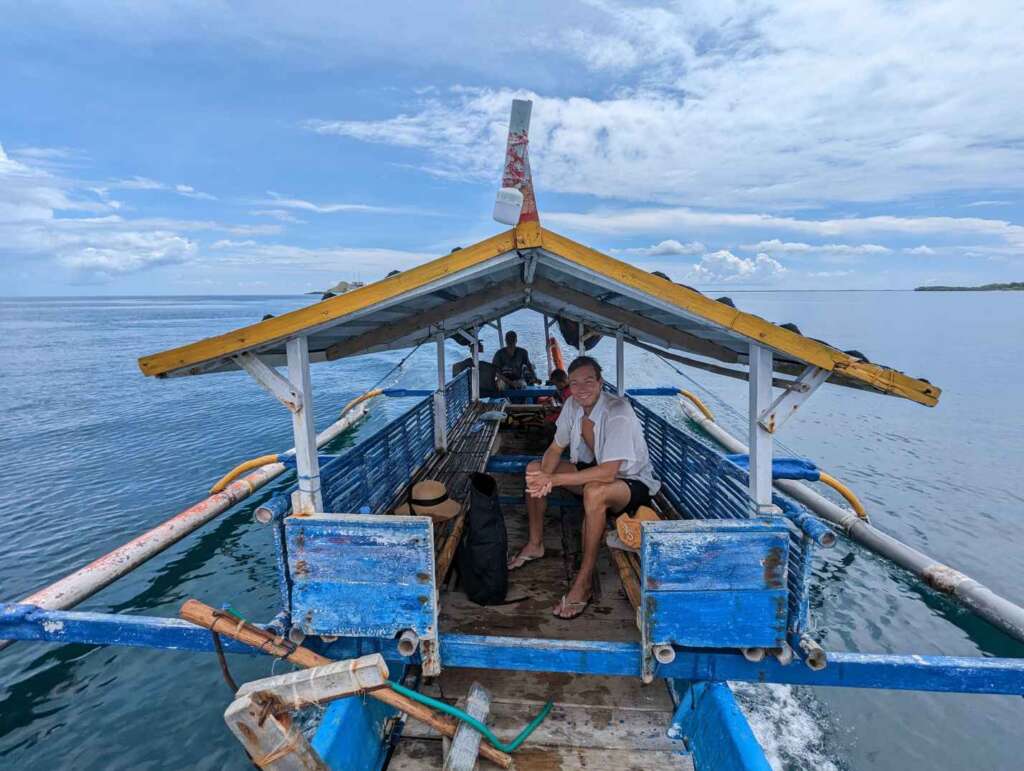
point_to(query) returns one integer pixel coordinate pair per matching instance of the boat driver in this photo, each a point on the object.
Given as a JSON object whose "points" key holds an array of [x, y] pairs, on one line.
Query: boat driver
{"points": [[512, 367], [609, 467]]}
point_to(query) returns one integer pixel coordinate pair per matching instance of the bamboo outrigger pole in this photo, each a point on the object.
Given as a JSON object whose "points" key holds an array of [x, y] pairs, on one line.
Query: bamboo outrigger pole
{"points": [[203, 615], [86, 581], [974, 596]]}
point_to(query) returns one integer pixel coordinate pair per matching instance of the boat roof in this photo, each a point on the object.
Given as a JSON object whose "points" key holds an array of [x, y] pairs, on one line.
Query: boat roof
{"points": [[529, 266]]}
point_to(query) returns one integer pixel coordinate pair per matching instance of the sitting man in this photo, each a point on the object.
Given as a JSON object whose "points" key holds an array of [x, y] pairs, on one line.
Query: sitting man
{"points": [[512, 367], [608, 466]]}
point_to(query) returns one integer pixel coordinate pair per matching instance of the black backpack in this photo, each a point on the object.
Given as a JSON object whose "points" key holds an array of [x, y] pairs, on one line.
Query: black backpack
{"points": [[484, 548]]}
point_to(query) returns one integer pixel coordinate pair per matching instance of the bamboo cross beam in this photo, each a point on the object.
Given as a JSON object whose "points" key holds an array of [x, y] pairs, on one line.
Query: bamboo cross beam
{"points": [[203, 615]]}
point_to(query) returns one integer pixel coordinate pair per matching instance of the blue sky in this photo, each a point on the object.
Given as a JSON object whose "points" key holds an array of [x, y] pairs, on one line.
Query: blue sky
{"points": [[227, 147]]}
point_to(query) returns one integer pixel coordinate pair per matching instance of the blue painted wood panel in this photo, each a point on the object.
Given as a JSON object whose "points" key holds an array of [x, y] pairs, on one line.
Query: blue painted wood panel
{"points": [[959, 674], [355, 575], [351, 734], [715, 583], [733, 619], [715, 730], [710, 557]]}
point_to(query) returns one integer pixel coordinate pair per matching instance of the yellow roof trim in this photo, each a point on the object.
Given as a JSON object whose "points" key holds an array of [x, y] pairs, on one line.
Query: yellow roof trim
{"points": [[526, 236], [288, 324], [750, 326]]}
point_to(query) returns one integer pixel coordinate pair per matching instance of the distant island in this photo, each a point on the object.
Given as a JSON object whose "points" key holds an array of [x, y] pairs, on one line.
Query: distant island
{"points": [[340, 288], [1012, 286]]}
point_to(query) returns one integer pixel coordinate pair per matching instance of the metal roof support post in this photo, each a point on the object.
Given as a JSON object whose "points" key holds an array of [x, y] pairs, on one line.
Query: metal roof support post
{"points": [[501, 333], [547, 347], [620, 363], [760, 439], [440, 407], [474, 376], [307, 462], [579, 340]]}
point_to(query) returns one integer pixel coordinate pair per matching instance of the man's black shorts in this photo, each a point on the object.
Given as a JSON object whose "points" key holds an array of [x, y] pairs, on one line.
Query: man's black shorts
{"points": [[639, 495]]}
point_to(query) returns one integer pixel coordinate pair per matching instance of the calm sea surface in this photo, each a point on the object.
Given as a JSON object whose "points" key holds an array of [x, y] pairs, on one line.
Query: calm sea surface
{"points": [[93, 454]]}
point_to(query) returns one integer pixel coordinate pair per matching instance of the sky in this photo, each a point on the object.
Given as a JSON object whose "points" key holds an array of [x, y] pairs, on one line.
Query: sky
{"points": [[222, 147]]}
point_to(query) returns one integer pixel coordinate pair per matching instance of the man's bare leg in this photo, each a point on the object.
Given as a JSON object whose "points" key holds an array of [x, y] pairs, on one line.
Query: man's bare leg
{"points": [[536, 508], [598, 499]]}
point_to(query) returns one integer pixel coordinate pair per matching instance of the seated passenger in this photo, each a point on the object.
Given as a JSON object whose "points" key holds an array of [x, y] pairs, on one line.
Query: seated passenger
{"points": [[608, 466], [560, 380], [512, 367]]}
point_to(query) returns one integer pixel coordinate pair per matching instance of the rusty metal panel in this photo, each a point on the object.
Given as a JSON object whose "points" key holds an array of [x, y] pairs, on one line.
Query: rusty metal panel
{"points": [[362, 575], [715, 583]]}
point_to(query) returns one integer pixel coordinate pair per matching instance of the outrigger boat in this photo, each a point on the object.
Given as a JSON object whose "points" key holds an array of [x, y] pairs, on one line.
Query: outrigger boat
{"points": [[413, 674]]}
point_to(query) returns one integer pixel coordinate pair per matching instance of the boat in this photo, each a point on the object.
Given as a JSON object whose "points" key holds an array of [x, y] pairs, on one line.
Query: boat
{"points": [[412, 673]]}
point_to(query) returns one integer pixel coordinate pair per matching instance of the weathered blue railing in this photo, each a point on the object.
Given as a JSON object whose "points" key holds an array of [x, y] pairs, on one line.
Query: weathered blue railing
{"points": [[694, 477], [372, 472], [456, 397], [702, 483]]}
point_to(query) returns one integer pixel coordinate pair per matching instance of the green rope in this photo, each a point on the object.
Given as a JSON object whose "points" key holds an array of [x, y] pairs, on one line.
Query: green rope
{"points": [[472, 721]]}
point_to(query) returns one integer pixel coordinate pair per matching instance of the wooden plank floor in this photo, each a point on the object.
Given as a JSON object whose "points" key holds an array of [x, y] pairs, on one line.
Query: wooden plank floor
{"points": [[535, 589], [598, 722]]}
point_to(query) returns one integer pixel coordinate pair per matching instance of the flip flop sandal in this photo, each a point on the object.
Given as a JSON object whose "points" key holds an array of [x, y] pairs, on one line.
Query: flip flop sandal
{"points": [[570, 606], [520, 561]]}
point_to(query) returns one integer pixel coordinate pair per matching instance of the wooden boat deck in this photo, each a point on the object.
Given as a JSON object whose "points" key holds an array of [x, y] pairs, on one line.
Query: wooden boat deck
{"points": [[598, 722]]}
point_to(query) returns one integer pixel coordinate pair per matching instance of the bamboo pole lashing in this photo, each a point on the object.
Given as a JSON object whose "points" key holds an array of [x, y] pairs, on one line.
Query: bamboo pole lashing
{"points": [[203, 615]]}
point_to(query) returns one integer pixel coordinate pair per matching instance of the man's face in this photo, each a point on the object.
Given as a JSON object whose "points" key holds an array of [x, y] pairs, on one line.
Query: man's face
{"points": [[511, 340], [585, 386]]}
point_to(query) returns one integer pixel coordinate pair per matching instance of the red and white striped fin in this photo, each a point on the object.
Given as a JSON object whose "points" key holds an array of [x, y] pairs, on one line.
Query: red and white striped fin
{"points": [[517, 159]]}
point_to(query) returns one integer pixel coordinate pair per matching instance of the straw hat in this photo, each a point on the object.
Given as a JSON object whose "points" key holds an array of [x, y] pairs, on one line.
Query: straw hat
{"points": [[429, 498], [628, 527]]}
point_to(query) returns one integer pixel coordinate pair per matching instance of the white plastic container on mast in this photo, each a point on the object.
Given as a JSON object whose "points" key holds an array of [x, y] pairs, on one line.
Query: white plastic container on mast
{"points": [[508, 206]]}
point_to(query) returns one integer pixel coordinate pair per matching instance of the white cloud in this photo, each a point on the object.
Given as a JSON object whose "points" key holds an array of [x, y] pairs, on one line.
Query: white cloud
{"points": [[776, 246], [346, 259], [830, 273], [665, 248], [124, 251], [276, 199], [601, 52], [44, 154], [920, 250], [724, 267], [725, 112], [30, 193], [278, 214], [660, 219], [34, 224], [190, 192], [136, 183], [988, 203], [145, 183]]}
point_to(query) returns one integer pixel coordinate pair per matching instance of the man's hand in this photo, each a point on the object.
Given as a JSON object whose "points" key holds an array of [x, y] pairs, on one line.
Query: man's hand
{"points": [[538, 484]]}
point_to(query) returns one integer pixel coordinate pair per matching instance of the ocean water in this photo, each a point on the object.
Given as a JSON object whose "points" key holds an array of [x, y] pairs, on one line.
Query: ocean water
{"points": [[94, 453]]}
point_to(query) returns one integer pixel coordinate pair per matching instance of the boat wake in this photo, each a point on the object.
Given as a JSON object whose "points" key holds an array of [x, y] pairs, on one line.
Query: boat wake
{"points": [[790, 724]]}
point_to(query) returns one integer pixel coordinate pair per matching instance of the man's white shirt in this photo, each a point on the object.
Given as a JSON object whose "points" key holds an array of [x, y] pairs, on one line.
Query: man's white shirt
{"points": [[618, 435]]}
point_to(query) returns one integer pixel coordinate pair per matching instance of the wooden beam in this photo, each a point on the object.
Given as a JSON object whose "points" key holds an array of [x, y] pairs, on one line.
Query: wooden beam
{"points": [[785, 367], [324, 314], [674, 337], [758, 438], [271, 380], [308, 498], [397, 330], [748, 325]]}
